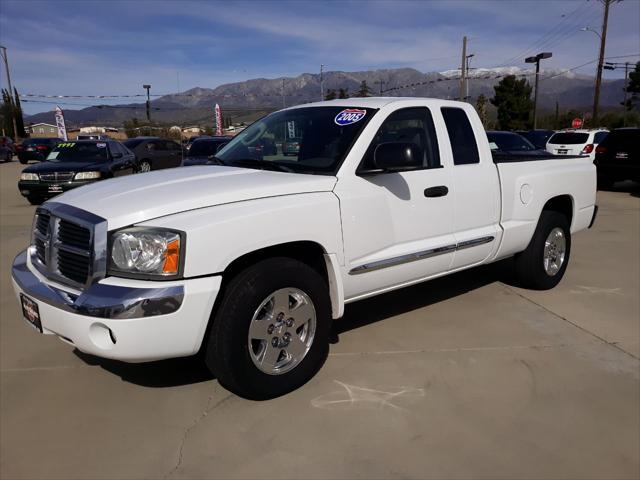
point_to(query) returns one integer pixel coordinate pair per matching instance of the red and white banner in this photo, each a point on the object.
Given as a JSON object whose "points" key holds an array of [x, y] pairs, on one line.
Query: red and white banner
{"points": [[218, 121], [62, 129]]}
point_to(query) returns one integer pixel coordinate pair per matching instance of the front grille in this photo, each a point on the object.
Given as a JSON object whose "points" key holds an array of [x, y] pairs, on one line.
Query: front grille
{"points": [[74, 235], [57, 177], [73, 266], [63, 245]]}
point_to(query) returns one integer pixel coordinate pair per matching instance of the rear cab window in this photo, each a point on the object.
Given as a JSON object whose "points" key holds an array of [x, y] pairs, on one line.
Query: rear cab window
{"points": [[569, 138], [461, 136]]}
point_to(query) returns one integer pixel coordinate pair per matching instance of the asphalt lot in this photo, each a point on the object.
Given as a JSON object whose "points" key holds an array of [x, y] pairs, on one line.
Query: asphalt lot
{"points": [[462, 377]]}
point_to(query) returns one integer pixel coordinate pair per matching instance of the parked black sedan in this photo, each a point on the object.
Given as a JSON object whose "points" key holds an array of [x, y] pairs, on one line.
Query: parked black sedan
{"points": [[618, 157], [35, 148], [155, 153], [512, 144], [73, 164], [204, 149]]}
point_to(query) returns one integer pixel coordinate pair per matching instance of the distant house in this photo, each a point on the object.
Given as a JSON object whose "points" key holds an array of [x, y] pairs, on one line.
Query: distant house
{"points": [[42, 130]]}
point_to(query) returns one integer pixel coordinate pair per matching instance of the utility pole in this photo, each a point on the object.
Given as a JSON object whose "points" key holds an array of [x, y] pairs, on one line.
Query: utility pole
{"points": [[463, 68], [321, 82], [614, 66], [466, 97], [536, 60], [147, 88], [381, 83], [12, 102], [603, 41]]}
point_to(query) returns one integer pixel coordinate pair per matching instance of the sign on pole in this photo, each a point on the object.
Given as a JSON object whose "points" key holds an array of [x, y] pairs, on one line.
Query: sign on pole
{"points": [[576, 123], [218, 120], [291, 127], [62, 129]]}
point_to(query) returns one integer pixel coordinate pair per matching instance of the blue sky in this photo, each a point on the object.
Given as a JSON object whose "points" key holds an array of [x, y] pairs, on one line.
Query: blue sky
{"points": [[113, 47]]}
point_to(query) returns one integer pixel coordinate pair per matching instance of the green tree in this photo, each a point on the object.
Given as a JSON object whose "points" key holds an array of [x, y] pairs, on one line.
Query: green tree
{"points": [[633, 87], [513, 100], [343, 93], [330, 95], [208, 130], [364, 90], [481, 108]]}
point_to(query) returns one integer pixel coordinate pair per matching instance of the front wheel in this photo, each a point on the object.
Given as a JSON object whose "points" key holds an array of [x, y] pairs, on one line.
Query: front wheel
{"points": [[270, 334], [542, 265]]}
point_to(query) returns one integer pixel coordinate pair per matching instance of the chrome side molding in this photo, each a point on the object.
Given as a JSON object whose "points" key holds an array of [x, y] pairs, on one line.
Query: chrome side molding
{"points": [[413, 257]]}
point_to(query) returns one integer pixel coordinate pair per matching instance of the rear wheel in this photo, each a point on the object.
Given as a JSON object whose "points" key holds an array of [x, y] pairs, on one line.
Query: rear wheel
{"points": [[270, 334], [24, 162], [35, 200], [144, 166], [542, 265], [605, 183]]}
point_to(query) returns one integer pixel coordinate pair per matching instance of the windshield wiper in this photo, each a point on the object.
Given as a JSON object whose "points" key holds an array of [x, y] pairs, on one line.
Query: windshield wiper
{"points": [[260, 164], [216, 160]]}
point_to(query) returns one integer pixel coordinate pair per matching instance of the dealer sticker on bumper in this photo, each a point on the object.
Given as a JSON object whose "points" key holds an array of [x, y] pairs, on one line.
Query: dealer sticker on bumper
{"points": [[30, 312]]}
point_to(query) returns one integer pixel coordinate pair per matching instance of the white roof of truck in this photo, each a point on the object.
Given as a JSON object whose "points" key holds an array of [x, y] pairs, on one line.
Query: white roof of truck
{"points": [[375, 102]]}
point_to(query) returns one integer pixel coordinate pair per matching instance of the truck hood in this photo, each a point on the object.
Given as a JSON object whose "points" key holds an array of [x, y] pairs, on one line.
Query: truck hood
{"points": [[136, 198]]}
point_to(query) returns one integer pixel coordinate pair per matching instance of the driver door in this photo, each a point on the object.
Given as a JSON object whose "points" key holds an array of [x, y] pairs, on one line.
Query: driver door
{"points": [[397, 226]]}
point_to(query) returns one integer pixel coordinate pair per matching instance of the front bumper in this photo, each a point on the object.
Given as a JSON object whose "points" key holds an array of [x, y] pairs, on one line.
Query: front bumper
{"points": [[48, 189], [123, 319]]}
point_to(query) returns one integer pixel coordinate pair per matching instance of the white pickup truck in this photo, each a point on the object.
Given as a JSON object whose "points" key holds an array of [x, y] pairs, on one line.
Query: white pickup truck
{"points": [[249, 259]]}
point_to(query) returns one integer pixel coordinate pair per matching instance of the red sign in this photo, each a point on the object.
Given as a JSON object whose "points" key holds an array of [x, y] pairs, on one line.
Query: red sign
{"points": [[576, 123]]}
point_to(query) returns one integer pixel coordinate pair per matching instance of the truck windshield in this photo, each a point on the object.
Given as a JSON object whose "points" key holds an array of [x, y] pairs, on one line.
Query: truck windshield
{"points": [[79, 152], [302, 140]]}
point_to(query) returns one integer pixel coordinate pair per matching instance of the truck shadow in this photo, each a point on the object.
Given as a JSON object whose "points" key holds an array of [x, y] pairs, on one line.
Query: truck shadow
{"points": [[375, 309], [632, 188], [191, 370]]}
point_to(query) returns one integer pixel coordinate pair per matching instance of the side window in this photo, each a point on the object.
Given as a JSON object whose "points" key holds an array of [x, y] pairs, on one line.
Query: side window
{"points": [[115, 148], [410, 125], [599, 137], [152, 146], [461, 136]]}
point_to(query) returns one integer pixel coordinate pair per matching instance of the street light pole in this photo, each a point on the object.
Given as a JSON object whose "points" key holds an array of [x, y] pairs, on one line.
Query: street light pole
{"points": [[468, 57], [536, 60], [11, 100], [147, 88], [321, 82]]}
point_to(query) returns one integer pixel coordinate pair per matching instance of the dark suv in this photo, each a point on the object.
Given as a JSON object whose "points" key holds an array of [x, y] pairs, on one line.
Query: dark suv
{"points": [[155, 153], [36, 148], [7, 149], [618, 157]]}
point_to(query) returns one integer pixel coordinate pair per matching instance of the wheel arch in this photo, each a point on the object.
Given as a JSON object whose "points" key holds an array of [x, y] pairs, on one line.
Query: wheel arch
{"points": [[563, 204], [306, 251]]}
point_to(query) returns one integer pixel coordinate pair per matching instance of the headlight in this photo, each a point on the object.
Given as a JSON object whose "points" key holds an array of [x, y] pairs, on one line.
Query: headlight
{"points": [[29, 176], [143, 251], [87, 175]]}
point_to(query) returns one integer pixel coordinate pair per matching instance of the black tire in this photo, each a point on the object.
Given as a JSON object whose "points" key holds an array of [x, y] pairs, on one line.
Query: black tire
{"points": [[35, 200], [24, 162], [530, 270], [227, 352]]}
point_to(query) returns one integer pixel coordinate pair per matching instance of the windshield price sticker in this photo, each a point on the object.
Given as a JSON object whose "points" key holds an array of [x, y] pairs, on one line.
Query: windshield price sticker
{"points": [[66, 145], [101, 145], [349, 116]]}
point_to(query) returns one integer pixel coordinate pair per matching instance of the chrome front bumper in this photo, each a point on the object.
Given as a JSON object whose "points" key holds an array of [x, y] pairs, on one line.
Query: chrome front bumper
{"points": [[99, 300]]}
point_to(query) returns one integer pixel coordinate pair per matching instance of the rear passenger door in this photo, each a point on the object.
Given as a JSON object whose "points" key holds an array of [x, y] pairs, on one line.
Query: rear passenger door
{"points": [[476, 188], [122, 162], [173, 154]]}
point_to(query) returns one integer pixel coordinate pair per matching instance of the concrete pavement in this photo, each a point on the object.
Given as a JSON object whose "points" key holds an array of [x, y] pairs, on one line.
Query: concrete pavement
{"points": [[462, 377]]}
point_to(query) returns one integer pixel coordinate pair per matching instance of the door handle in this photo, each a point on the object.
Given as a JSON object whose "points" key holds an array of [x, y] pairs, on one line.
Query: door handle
{"points": [[439, 191]]}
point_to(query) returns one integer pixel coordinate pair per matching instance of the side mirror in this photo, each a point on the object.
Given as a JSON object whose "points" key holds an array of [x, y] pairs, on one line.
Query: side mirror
{"points": [[116, 155], [397, 156]]}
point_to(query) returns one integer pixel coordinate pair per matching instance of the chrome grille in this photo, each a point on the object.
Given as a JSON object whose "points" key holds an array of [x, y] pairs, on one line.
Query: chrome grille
{"points": [[57, 177], [69, 244]]}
